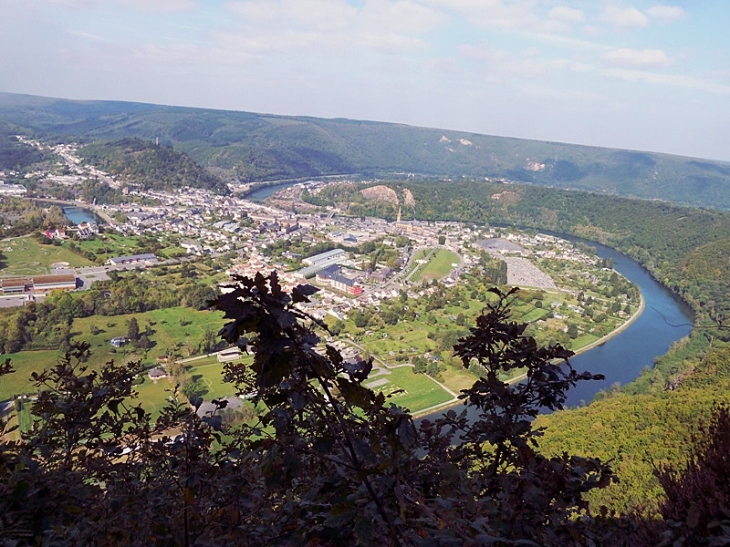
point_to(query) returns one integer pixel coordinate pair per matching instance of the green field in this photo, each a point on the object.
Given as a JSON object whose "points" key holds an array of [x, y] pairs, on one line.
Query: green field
{"points": [[534, 315], [583, 340], [24, 364], [419, 391], [438, 266], [154, 394], [25, 256], [168, 336], [109, 245], [25, 418]]}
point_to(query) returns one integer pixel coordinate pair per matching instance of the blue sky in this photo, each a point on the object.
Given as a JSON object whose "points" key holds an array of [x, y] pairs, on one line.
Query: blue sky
{"points": [[635, 74]]}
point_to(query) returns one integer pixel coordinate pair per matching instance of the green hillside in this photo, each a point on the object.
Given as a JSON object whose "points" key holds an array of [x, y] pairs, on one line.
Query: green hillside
{"points": [[152, 166], [653, 420], [255, 147]]}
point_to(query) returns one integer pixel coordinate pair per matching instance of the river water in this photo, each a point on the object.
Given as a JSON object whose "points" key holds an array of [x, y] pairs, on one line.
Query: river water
{"points": [[77, 215], [665, 319], [621, 359], [262, 193]]}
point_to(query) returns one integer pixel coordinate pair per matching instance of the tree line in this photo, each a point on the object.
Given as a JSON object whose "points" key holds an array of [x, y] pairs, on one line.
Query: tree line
{"points": [[327, 461]]}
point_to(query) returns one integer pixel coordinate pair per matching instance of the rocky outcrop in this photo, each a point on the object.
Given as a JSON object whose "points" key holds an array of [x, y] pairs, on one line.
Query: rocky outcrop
{"points": [[381, 193]]}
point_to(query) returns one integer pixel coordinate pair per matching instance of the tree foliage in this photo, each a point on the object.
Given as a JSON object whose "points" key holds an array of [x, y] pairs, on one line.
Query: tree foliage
{"points": [[325, 461]]}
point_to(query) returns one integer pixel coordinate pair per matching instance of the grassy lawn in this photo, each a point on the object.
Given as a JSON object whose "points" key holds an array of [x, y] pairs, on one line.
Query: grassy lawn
{"points": [[173, 330], [419, 391], [24, 363], [583, 340], [110, 244], [25, 256], [25, 418], [169, 337], [457, 378], [438, 266], [534, 315], [154, 394]]}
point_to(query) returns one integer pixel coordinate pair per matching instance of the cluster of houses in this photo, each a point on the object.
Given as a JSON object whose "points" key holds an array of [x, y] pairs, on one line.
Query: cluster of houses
{"points": [[83, 231]]}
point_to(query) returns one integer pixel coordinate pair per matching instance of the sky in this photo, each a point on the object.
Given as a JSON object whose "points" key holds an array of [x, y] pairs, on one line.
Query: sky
{"points": [[637, 75]]}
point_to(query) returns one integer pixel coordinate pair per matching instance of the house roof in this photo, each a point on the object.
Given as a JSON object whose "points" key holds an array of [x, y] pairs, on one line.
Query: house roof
{"points": [[8, 283], [53, 278], [140, 257]]}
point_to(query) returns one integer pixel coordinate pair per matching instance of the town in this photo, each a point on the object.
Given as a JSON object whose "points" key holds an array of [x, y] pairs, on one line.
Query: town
{"points": [[399, 291]]}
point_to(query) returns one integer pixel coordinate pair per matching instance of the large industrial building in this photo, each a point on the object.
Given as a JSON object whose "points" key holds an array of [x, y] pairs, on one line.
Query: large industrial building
{"points": [[332, 277], [38, 284], [321, 261], [145, 259]]}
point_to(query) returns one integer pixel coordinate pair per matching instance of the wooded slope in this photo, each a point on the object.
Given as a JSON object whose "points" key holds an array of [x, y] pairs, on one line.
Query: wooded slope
{"points": [[253, 147]]}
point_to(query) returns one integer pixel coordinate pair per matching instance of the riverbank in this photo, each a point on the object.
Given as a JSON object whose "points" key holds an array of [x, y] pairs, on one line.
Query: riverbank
{"points": [[621, 328]]}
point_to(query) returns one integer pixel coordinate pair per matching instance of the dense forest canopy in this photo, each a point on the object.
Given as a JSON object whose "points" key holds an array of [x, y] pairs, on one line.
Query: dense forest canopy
{"points": [[652, 420], [14, 155], [258, 147], [326, 461], [149, 165]]}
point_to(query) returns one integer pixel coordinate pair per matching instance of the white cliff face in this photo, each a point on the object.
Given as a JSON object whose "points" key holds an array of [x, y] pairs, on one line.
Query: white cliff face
{"points": [[381, 193]]}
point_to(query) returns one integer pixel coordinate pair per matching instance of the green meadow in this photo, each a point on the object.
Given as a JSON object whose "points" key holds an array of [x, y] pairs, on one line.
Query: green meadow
{"points": [[25, 256], [173, 331], [412, 391], [438, 266]]}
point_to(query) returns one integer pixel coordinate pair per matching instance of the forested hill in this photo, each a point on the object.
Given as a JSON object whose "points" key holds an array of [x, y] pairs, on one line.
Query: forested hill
{"points": [[13, 154], [254, 147], [148, 164]]}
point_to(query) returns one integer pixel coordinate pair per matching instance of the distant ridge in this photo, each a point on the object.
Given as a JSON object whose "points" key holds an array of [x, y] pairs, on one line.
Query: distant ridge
{"points": [[261, 147]]}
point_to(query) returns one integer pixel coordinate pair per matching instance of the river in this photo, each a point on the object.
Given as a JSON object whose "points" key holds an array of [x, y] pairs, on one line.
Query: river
{"points": [[262, 193], [77, 215], [665, 319], [620, 359]]}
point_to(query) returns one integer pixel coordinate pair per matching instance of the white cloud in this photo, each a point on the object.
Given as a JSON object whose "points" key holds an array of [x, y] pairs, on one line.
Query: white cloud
{"points": [[402, 16], [75, 3], [673, 80], [313, 14], [666, 14], [499, 65], [375, 15], [636, 58], [566, 14], [624, 17], [330, 26], [518, 15], [160, 6]]}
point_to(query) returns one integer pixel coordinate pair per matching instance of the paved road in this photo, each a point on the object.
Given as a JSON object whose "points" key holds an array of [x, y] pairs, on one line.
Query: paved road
{"points": [[13, 301]]}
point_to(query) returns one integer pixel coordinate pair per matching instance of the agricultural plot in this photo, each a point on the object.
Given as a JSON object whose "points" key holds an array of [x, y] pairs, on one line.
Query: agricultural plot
{"points": [[412, 391], [439, 264], [25, 256], [173, 330]]}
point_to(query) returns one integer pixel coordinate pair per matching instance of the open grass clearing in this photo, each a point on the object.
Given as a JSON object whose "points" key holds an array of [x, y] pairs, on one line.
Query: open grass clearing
{"points": [[25, 256], [439, 265], [457, 378], [24, 363], [419, 391], [582, 341], [110, 244], [534, 315], [170, 336]]}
